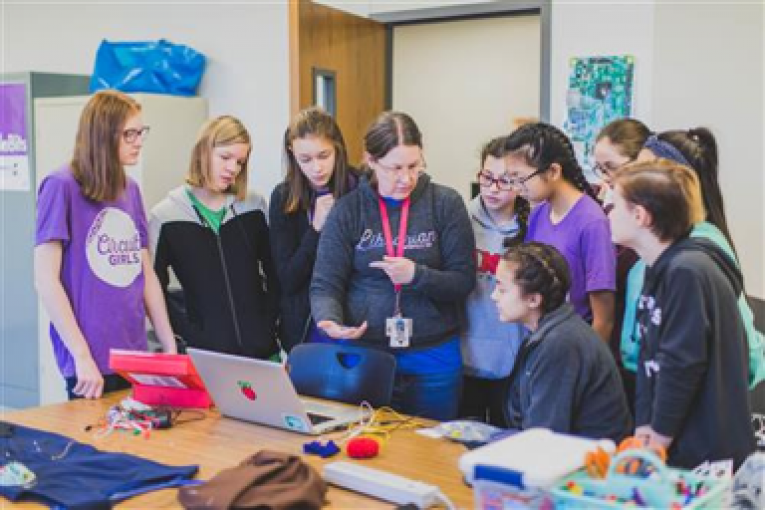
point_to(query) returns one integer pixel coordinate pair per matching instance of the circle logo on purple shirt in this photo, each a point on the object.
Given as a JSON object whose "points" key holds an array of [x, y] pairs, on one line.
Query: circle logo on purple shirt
{"points": [[113, 247]]}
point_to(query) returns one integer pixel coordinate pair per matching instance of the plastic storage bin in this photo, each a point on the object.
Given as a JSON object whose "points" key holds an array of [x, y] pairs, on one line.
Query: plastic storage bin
{"points": [[662, 489]]}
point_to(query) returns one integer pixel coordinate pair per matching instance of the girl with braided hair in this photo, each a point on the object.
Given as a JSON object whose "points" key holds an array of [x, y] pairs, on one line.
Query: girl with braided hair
{"points": [[542, 162], [499, 216], [564, 377]]}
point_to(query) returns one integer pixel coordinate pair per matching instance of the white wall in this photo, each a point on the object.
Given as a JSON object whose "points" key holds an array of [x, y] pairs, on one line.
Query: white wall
{"points": [[601, 27], [696, 64], [246, 45], [464, 82], [708, 71]]}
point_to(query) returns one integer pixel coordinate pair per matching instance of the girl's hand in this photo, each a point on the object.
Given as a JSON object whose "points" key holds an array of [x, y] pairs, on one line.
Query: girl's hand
{"points": [[90, 382], [400, 270], [338, 332], [321, 210]]}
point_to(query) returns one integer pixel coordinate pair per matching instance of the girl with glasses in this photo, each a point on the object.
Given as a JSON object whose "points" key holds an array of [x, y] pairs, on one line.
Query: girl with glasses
{"points": [[542, 160], [394, 266], [318, 174], [499, 216], [213, 234], [618, 144], [92, 265]]}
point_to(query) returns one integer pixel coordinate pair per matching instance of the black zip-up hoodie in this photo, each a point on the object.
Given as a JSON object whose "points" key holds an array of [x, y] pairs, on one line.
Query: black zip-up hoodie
{"points": [[228, 279], [294, 243], [693, 370], [440, 241]]}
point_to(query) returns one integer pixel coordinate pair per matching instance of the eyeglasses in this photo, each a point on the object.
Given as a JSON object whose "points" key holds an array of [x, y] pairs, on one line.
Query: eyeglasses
{"points": [[605, 171], [521, 183], [487, 180], [421, 166], [131, 135]]}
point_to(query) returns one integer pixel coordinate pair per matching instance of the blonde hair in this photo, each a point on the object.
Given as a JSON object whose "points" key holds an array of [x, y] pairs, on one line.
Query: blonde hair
{"points": [[669, 191], [219, 132], [96, 157]]}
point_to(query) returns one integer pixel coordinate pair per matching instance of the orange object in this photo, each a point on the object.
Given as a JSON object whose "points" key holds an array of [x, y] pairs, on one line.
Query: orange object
{"points": [[596, 463]]}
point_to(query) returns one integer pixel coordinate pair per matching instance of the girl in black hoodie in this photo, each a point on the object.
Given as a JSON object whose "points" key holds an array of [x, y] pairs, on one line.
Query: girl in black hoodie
{"points": [[692, 396], [318, 174]]}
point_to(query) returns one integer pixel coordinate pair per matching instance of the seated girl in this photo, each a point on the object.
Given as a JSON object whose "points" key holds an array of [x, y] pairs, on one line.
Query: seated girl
{"points": [[564, 377]]}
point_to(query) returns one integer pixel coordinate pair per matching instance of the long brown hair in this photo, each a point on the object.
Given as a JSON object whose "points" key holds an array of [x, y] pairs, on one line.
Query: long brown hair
{"points": [[317, 123], [219, 132], [96, 163]]}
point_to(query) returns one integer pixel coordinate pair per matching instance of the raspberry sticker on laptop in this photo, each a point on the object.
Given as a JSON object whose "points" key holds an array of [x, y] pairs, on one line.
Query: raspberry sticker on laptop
{"points": [[247, 391]]}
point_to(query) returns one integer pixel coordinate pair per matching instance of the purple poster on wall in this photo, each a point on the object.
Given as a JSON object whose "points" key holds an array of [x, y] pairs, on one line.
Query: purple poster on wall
{"points": [[14, 146]]}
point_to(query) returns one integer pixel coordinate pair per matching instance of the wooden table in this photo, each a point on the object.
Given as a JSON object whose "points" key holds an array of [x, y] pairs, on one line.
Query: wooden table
{"points": [[215, 443]]}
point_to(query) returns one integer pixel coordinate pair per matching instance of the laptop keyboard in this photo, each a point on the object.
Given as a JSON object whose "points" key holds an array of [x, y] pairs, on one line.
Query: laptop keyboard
{"points": [[318, 419]]}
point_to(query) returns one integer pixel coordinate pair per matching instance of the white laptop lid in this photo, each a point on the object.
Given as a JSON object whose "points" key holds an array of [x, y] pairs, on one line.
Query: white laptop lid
{"points": [[262, 392]]}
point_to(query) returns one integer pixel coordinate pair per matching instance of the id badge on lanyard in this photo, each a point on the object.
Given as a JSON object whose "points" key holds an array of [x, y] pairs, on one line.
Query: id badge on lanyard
{"points": [[397, 328]]}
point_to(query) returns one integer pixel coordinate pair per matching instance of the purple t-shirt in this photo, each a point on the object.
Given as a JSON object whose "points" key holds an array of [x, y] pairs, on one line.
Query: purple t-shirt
{"points": [[101, 268], [584, 239]]}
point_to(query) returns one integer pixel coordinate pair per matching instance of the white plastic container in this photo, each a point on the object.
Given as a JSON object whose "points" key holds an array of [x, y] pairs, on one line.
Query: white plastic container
{"points": [[518, 471]]}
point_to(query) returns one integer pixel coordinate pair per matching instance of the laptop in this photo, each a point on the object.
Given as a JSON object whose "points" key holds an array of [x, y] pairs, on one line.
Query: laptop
{"points": [[262, 392]]}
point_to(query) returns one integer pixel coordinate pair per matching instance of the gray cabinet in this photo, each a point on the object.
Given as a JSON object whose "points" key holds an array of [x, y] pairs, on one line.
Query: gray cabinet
{"points": [[19, 353]]}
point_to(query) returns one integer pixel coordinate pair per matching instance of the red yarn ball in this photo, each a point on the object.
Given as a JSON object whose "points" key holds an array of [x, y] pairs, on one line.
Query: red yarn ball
{"points": [[362, 448]]}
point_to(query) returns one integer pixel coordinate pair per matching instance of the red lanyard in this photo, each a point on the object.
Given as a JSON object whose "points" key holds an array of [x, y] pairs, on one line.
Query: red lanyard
{"points": [[401, 231]]}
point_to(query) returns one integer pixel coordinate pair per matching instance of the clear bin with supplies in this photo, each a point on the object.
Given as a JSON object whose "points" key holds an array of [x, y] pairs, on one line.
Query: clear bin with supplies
{"points": [[664, 487], [519, 471]]}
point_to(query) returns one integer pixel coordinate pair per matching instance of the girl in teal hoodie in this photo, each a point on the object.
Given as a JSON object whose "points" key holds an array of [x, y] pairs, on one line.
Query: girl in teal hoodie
{"points": [[696, 149]]}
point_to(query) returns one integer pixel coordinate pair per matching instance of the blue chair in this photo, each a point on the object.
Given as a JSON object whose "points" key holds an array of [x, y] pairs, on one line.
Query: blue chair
{"points": [[345, 373]]}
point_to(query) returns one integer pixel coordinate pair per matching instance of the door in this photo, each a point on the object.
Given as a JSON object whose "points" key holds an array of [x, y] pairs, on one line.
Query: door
{"points": [[465, 82], [344, 53]]}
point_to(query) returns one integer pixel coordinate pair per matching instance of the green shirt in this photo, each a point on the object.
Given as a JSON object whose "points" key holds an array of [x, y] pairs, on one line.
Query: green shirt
{"points": [[213, 218]]}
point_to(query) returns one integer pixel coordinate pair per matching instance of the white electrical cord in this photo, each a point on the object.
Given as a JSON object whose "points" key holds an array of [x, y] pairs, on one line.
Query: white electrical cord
{"points": [[442, 498]]}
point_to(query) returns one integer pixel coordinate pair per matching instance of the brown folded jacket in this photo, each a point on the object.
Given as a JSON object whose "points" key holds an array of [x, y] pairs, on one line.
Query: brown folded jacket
{"points": [[266, 480]]}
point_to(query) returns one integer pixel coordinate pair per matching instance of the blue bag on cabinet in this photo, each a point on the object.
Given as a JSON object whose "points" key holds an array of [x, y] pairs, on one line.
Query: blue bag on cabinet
{"points": [[158, 67]]}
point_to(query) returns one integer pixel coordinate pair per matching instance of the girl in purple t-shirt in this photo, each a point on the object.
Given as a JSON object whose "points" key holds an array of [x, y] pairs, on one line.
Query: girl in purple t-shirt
{"points": [[542, 161], [92, 265]]}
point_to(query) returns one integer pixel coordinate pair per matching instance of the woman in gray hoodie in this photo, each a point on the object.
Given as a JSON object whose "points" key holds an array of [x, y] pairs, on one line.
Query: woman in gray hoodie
{"points": [[395, 263]]}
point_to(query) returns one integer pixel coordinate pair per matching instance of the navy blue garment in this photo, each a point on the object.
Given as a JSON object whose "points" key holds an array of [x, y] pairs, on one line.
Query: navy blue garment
{"points": [[78, 476]]}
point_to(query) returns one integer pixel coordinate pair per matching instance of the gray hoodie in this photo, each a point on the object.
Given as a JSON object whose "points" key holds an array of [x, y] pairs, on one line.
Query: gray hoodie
{"points": [[439, 240], [489, 346]]}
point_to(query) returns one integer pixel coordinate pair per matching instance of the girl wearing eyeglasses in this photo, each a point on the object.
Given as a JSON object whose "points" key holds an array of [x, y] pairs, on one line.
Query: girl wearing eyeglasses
{"points": [[92, 265], [318, 174], [213, 234], [617, 145], [395, 263], [499, 216], [542, 161]]}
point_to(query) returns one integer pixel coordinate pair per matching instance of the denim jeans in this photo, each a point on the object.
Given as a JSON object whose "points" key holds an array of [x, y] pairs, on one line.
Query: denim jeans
{"points": [[430, 395]]}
